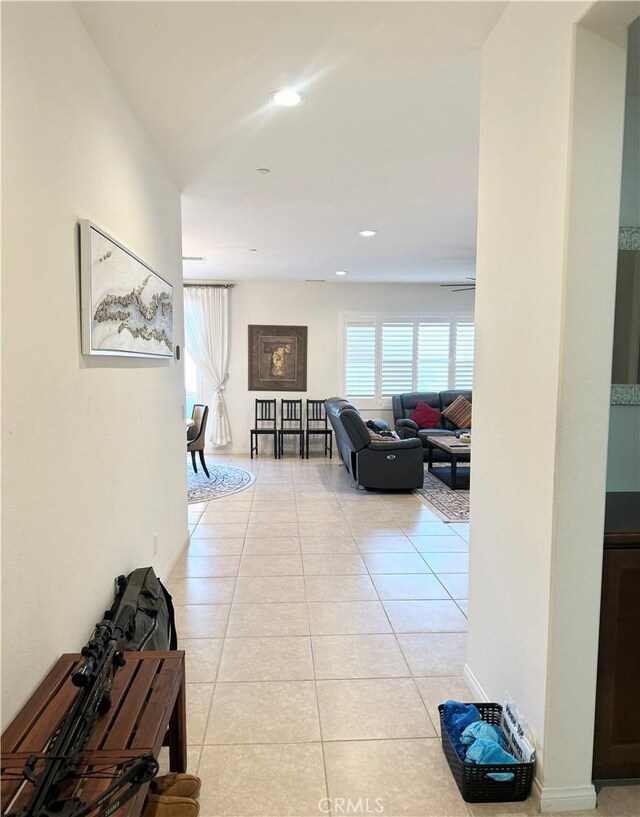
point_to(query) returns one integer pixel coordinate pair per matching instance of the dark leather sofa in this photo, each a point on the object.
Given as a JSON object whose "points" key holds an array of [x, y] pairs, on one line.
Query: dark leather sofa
{"points": [[405, 404], [392, 464]]}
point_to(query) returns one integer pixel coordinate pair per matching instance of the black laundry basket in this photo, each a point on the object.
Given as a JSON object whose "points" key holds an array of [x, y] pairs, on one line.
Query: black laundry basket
{"points": [[474, 784]]}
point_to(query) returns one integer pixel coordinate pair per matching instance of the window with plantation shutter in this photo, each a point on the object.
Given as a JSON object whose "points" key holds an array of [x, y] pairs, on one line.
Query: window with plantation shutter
{"points": [[360, 359], [434, 342], [397, 357], [464, 355], [387, 355]]}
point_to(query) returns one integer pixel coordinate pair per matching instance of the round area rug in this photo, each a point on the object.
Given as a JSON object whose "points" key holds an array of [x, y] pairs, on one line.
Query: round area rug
{"points": [[225, 480]]}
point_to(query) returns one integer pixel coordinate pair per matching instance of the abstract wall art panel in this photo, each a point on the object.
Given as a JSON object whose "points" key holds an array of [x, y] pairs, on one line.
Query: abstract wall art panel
{"points": [[127, 308]]}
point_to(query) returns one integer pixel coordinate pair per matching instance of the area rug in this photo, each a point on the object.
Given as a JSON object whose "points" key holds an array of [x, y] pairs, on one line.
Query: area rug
{"points": [[448, 505], [224, 480]]}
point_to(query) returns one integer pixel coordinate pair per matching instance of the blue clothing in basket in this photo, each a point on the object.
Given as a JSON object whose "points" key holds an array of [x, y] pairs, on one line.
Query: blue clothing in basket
{"points": [[481, 730], [456, 717], [489, 751]]}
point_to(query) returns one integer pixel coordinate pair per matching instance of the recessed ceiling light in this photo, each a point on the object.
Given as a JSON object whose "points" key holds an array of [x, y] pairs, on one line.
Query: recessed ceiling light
{"points": [[341, 272], [287, 98], [263, 171], [253, 250], [368, 233]]}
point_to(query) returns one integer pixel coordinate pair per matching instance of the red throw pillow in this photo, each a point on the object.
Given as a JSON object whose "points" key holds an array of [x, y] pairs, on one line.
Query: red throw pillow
{"points": [[425, 416]]}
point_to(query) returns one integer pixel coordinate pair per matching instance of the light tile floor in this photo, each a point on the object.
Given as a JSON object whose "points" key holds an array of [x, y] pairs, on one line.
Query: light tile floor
{"points": [[322, 627]]}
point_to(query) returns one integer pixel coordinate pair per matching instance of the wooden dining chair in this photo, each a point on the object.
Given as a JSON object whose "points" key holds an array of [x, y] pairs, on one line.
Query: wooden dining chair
{"points": [[317, 426], [195, 436], [265, 424], [291, 424]]}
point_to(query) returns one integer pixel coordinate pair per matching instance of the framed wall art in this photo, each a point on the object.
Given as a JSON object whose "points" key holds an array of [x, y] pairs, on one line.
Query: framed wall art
{"points": [[126, 307], [277, 358]]}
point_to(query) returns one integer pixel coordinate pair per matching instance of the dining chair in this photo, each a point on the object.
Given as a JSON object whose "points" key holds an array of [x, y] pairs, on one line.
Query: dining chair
{"points": [[264, 424], [317, 426], [196, 436], [291, 424]]}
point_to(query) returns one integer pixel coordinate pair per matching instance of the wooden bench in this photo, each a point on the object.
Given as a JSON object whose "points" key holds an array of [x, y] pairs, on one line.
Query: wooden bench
{"points": [[147, 712]]}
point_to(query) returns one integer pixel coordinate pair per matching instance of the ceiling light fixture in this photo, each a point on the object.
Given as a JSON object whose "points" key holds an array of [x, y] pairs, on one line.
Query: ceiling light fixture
{"points": [[341, 272], [252, 249], [287, 98], [368, 233], [263, 171]]}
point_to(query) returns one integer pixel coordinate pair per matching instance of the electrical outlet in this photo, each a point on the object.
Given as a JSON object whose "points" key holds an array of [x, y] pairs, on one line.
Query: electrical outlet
{"points": [[155, 543]]}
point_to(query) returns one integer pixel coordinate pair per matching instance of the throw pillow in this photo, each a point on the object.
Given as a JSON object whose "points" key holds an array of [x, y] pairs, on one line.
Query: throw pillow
{"points": [[459, 412], [425, 416]]}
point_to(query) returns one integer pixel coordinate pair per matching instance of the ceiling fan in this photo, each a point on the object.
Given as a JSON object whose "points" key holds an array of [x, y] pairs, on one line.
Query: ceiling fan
{"points": [[462, 287]]}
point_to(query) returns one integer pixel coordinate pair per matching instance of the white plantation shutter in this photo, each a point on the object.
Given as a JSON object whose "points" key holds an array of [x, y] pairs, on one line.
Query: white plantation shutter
{"points": [[387, 355], [360, 359], [397, 357], [433, 351], [464, 355]]}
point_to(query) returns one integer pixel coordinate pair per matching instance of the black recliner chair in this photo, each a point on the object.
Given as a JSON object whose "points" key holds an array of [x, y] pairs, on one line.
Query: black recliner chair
{"points": [[389, 464]]}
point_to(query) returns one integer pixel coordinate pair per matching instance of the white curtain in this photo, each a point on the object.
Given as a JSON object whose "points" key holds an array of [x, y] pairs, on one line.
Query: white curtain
{"points": [[206, 324]]}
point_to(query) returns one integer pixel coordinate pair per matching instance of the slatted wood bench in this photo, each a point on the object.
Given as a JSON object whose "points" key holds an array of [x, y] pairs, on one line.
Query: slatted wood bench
{"points": [[147, 712]]}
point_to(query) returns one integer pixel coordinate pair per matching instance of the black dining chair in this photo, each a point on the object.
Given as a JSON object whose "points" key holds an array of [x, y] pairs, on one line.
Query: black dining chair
{"points": [[195, 436], [317, 426], [291, 424], [264, 424]]}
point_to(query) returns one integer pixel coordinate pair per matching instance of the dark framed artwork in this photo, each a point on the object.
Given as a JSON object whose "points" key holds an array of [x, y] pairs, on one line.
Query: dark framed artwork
{"points": [[277, 358]]}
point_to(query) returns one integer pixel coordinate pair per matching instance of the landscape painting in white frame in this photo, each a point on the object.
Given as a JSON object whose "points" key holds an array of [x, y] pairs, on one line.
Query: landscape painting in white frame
{"points": [[127, 308]]}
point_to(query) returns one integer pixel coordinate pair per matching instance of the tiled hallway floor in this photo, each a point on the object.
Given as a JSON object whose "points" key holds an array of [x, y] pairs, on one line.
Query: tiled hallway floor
{"points": [[322, 627]]}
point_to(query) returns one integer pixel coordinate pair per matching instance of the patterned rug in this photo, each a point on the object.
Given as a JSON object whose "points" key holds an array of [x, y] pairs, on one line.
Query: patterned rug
{"points": [[448, 505], [225, 480]]}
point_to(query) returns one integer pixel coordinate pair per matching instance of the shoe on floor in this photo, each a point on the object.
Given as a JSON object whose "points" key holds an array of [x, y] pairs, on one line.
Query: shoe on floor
{"points": [[176, 785], [163, 805]]}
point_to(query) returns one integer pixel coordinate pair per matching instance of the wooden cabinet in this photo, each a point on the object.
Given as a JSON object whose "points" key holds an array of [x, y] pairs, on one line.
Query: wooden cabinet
{"points": [[617, 724]]}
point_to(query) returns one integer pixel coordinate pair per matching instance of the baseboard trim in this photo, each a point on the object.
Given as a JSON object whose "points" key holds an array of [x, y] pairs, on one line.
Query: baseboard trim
{"points": [[167, 571], [578, 798], [474, 685]]}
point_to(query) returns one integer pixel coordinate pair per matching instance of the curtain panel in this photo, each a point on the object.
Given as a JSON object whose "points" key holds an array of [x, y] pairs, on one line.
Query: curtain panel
{"points": [[206, 323]]}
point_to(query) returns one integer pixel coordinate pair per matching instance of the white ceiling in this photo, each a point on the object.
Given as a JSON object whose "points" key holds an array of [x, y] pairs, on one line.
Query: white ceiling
{"points": [[387, 138]]}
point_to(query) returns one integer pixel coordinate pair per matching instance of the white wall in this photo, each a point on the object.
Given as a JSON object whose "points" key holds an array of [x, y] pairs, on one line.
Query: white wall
{"points": [[93, 450], [547, 251], [588, 307], [320, 307]]}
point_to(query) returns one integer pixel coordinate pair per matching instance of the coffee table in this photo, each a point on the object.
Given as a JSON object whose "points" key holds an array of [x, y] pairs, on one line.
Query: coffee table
{"points": [[457, 452]]}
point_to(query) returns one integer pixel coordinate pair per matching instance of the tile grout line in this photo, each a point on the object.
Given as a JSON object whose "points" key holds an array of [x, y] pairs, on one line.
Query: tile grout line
{"points": [[315, 686], [319, 742]]}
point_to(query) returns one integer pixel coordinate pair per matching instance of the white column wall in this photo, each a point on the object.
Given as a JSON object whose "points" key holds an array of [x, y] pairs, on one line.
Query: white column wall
{"points": [[588, 302], [550, 157]]}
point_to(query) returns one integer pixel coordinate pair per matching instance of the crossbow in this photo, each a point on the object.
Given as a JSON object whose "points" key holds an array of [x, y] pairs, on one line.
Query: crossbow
{"points": [[102, 656]]}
